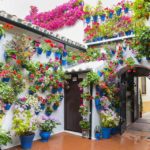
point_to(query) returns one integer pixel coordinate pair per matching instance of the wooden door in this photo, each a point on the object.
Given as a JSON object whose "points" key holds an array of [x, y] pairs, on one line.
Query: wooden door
{"points": [[72, 104]]}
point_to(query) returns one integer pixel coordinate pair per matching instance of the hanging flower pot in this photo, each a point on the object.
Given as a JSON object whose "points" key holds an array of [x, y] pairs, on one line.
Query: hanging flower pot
{"points": [[54, 90], [120, 62], [64, 62], [5, 80], [60, 89], [5, 56], [139, 60], [118, 12], [37, 112], [7, 106], [100, 38], [31, 92], [95, 18], [148, 58], [128, 33], [111, 15], [64, 53], [26, 141], [106, 132], [55, 106], [103, 17], [28, 107], [23, 66], [88, 20], [97, 104], [113, 52], [100, 73], [48, 53], [126, 10], [57, 55], [42, 106], [48, 113], [45, 136], [39, 50]]}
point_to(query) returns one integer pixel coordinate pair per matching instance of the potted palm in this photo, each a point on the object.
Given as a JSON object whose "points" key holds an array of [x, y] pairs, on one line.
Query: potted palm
{"points": [[47, 125], [24, 124]]}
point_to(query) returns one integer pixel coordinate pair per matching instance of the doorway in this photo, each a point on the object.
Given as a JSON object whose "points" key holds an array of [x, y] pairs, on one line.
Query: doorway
{"points": [[72, 104], [132, 102]]}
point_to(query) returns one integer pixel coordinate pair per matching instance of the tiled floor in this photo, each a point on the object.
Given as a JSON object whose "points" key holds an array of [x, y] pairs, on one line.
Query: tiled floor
{"points": [[66, 141]]}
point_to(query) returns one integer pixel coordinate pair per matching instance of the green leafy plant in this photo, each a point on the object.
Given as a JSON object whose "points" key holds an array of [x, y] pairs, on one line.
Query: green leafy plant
{"points": [[2, 31], [4, 137], [24, 122], [86, 96], [83, 110], [7, 93], [84, 124]]}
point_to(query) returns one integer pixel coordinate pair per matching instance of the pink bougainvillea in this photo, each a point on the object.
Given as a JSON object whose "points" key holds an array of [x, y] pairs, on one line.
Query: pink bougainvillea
{"points": [[64, 15]]}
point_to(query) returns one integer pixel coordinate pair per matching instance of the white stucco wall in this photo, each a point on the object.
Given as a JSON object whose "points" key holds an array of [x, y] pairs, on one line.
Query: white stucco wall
{"points": [[7, 120]]}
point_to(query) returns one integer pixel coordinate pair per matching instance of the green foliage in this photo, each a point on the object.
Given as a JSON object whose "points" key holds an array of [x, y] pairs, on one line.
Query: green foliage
{"points": [[2, 31], [7, 93], [83, 110], [24, 122], [84, 124], [4, 137], [130, 61]]}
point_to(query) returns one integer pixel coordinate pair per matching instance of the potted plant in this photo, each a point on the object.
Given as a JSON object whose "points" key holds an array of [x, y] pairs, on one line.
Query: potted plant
{"points": [[83, 110], [102, 15], [85, 126], [127, 5], [24, 124], [7, 95], [118, 9], [48, 110], [107, 122], [87, 13], [98, 132], [32, 90], [43, 102], [110, 12], [97, 101], [4, 137], [86, 96], [47, 125], [58, 51]]}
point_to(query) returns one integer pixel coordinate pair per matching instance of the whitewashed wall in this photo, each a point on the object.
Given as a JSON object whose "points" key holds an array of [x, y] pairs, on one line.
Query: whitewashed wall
{"points": [[7, 120]]}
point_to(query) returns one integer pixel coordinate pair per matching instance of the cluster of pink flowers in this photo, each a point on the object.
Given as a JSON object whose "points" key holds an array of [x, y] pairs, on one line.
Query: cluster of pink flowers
{"points": [[65, 15]]}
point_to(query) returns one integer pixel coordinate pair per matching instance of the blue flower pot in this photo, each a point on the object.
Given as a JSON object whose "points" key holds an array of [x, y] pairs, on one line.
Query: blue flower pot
{"points": [[57, 55], [128, 33], [124, 48], [121, 62], [88, 20], [64, 62], [98, 136], [5, 79], [42, 106], [118, 12], [61, 98], [148, 58], [106, 132], [54, 91], [114, 131], [110, 15], [30, 92], [7, 106], [126, 10], [139, 60], [28, 107], [39, 50], [60, 89], [113, 52], [99, 38], [48, 53], [95, 18], [45, 136], [26, 141], [6, 56], [48, 113], [97, 104], [100, 73], [64, 53], [55, 107], [103, 17], [55, 68], [37, 112]]}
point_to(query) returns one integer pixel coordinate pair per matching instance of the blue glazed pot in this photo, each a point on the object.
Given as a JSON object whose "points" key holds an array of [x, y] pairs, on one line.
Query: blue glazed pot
{"points": [[5, 79], [113, 52], [45, 136], [55, 107], [100, 38], [118, 12], [42, 106], [64, 53], [95, 18], [39, 50], [48, 53], [26, 141], [60, 89], [7, 106], [54, 90], [114, 131], [120, 62], [57, 55], [97, 136], [100, 73], [48, 113], [97, 104], [37, 112], [64, 62], [30, 92], [128, 33], [28, 107], [110, 15], [103, 17], [126, 10], [55, 68], [88, 20], [106, 133], [139, 60]]}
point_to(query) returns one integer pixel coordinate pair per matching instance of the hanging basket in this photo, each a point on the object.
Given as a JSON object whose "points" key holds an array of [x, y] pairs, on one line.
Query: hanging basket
{"points": [[48, 53]]}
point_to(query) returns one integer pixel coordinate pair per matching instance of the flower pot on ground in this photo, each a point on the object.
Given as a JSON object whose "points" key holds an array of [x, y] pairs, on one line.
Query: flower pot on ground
{"points": [[98, 134], [24, 123], [106, 132], [47, 125], [85, 126], [114, 130]]}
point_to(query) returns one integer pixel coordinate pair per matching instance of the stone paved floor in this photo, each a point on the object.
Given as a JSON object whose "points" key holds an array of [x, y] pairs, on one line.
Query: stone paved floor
{"points": [[66, 141]]}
